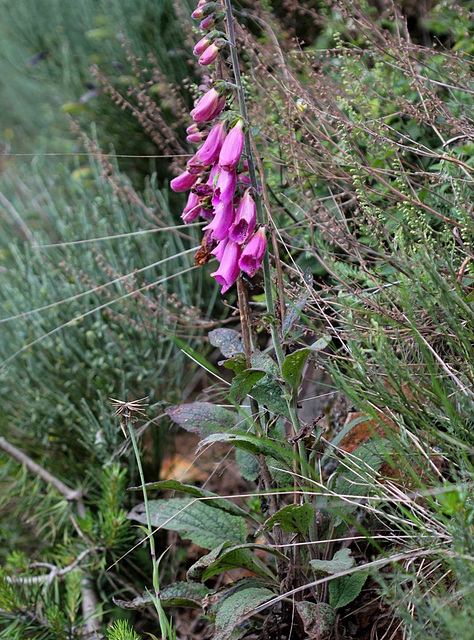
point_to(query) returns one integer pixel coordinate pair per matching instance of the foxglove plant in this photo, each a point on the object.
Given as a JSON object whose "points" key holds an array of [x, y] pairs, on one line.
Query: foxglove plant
{"points": [[219, 191]]}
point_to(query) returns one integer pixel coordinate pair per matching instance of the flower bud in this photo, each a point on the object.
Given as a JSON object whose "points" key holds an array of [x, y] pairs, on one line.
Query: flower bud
{"points": [[209, 152], [254, 250], [203, 10], [232, 148], [211, 21], [228, 270], [245, 219], [209, 55], [183, 182], [197, 137], [208, 107]]}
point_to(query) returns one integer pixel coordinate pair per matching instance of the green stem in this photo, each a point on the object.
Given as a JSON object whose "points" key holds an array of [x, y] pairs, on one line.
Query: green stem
{"points": [[262, 218], [166, 626]]}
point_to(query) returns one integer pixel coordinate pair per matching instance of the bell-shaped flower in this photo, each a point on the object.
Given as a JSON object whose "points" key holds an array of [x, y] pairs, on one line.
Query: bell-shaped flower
{"points": [[228, 270], [222, 221], [218, 251], [209, 152], [225, 185], [192, 209], [245, 219], [254, 250], [184, 181], [208, 107], [232, 148]]}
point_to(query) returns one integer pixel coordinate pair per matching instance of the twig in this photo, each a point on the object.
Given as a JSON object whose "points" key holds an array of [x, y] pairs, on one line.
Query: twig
{"points": [[37, 470], [54, 572]]}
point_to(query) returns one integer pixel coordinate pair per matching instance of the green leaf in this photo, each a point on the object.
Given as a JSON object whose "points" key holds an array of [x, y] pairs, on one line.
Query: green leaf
{"points": [[341, 561], [193, 520], [318, 619], [235, 607], [237, 363], [248, 465], [176, 485], [203, 418], [250, 443], [292, 368], [228, 341], [321, 344], [179, 594], [262, 361], [243, 383], [293, 518], [227, 557], [268, 393], [366, 460], [345, 589]]}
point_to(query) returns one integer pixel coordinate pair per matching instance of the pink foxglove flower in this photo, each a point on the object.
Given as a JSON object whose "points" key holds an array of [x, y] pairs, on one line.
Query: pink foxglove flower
{"points": [[209, 55], [208, 107], [184, 181], [252, 255], [225, 186], [192, 209], [222, 221], [228, 270], [245, 218], [209, 152], [232, 148], [219, 250]]}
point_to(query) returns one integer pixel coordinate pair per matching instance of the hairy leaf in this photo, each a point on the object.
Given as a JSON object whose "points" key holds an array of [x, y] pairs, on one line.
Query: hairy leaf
{"points": [[251, 443], [293, 518], [203, 418], [262, 361], [179, 594], [243, 383], [235, 607], [248, 465], [228, 341], [292, 368], [215, 500], [225, 558], [268, 393], [345, 589], [193, 520], [341, 561], [318, 619]]}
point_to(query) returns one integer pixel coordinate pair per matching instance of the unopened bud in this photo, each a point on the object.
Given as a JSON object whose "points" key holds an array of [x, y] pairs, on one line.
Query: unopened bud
{"points": [[203, 10]]}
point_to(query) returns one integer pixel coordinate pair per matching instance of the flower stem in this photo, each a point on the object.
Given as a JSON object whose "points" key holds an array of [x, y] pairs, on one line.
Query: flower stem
{"points": [[166, 626], [262, 215]]}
